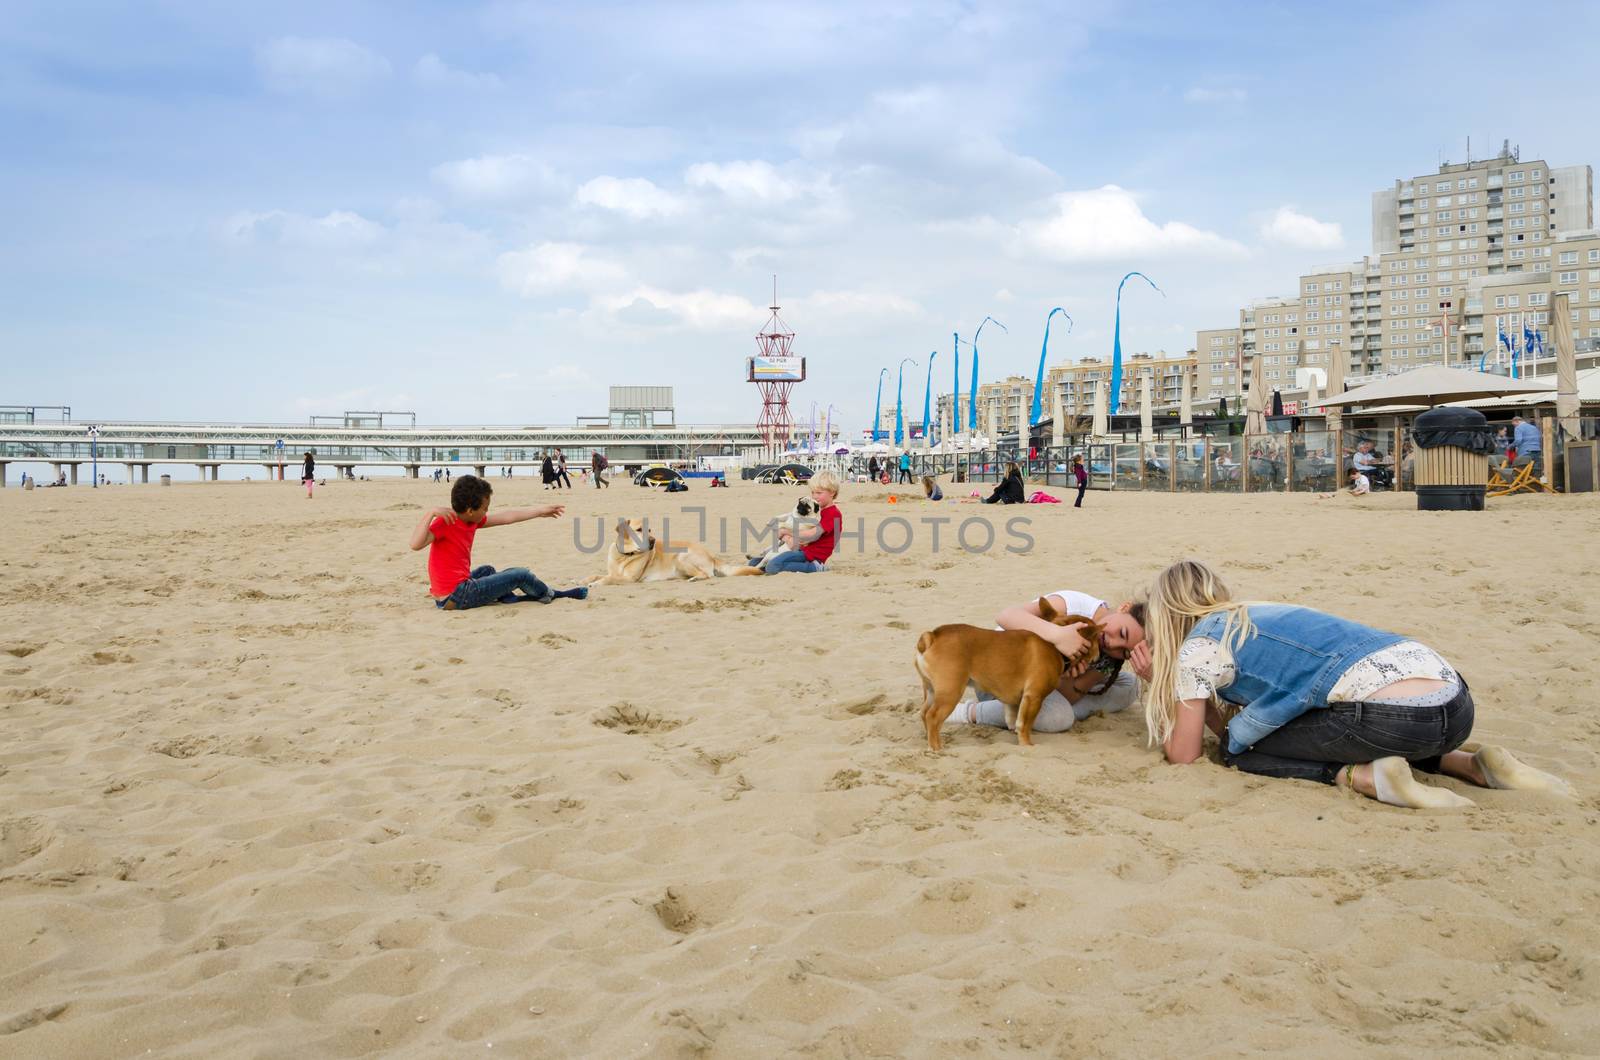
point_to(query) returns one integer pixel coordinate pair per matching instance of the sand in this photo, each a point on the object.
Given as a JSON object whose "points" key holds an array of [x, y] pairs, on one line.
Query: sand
{"points": [[259, 798]]}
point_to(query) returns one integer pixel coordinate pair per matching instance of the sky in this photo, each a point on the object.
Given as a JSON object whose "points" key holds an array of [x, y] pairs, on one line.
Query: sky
{"points": [[487, 213]]}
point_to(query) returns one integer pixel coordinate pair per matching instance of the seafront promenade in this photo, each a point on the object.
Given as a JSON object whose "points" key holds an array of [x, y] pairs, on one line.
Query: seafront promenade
{"points": [[66, 446]]}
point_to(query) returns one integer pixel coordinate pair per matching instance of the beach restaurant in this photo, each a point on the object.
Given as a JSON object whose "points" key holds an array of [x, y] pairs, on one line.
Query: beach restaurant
{"points": [[1276, 446]]}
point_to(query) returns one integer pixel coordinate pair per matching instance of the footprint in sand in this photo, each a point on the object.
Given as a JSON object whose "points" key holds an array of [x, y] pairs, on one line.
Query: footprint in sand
{"points": [[22, 651], [675, 913], [626, 718], [556, 641]]}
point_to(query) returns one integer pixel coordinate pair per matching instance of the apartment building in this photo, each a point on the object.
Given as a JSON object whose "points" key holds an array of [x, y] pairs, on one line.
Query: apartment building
{"points": [[1436, 235], [1218, 362]]}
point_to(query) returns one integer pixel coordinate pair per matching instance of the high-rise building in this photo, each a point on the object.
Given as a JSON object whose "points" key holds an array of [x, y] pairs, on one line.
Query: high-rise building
{"points": [[1444, 246]]}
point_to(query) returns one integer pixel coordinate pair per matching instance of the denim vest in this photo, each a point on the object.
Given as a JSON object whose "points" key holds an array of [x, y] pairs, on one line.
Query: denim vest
{"points": [[1289, 666]]}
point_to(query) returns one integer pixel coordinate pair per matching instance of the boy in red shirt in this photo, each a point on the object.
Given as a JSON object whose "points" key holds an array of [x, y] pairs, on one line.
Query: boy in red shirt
{"points": [[447, 533], [810, 551]]}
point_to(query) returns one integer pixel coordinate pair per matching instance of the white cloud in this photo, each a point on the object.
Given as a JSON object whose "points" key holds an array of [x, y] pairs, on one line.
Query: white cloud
{"points": [[436, 73], [1215, 95], [702, 309], [321, 66], [1107, 224], [633, 197], [1294, 229], [366, 397], [857, 303], [756, 182], [338, 229], [551, 267], [498, 177]]}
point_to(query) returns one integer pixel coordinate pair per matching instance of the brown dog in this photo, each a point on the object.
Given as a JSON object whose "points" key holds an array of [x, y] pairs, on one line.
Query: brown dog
{"points": [[637, 555], [1015, 666]]}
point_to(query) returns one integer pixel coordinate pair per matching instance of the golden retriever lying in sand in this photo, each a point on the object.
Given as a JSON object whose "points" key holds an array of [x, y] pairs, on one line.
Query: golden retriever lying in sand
{"points": [[637, 555]]}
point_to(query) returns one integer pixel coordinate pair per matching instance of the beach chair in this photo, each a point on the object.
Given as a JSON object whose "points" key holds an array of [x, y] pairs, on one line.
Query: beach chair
{"points": [[1509, 478]]}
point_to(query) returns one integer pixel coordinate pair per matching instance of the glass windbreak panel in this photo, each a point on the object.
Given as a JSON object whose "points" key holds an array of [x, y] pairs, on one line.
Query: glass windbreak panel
{"points": [[1368, 450], [1268, 462], [1125, 466], [1406, 472], [1098, 459], [1227, 465], [1316, 462], [1158, 460], [1190, 466]]}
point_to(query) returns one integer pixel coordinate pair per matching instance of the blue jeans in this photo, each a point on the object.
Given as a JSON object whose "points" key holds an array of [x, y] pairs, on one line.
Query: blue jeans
{"points": [[793, 562], [1318, 743], [484, 586]]}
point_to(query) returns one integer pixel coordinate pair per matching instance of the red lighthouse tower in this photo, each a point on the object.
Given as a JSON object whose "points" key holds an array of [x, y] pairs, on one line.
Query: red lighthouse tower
{"points": [[775, 370]]}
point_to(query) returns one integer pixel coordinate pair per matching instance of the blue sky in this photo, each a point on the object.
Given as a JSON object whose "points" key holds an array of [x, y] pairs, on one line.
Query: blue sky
{"points": [[487, 213]]}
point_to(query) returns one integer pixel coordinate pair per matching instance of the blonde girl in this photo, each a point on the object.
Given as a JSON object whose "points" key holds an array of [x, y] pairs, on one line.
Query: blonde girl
{"points": [[1294, 692]]}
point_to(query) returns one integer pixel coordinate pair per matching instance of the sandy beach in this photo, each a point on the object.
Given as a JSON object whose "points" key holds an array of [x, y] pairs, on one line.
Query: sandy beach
{"points": [[258, 797]]}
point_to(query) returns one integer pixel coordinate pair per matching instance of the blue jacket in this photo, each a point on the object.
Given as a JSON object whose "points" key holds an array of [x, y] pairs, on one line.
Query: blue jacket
{"points": [[1527, 439], [1289, 666]]}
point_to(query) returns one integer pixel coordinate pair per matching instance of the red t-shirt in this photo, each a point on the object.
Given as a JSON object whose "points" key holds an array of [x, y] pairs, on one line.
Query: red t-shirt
{"points": [[450, 555], [820, 549]]}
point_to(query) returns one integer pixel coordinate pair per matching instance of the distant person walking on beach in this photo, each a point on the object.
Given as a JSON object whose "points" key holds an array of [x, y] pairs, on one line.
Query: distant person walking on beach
{"points": [[905, 468], [1297, 693], [598, 464], [1080, 473], [872, 469], [561, 469], [447, 534], [547, 470], [308, 474]]}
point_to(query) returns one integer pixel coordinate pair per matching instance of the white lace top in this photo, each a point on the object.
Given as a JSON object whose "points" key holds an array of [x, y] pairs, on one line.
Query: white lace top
{"points": [[1204, 667]]}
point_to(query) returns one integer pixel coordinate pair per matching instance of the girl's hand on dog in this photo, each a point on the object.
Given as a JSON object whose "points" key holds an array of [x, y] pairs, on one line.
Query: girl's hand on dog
{"points": [[1069, 642]]}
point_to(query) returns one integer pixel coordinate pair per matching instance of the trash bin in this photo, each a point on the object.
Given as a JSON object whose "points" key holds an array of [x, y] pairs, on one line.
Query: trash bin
{"points": [[1453, 447], [166, 480]]}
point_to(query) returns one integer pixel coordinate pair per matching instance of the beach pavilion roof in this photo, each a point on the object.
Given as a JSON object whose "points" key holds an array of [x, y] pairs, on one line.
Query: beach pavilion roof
{"points": [[1438, 385]]}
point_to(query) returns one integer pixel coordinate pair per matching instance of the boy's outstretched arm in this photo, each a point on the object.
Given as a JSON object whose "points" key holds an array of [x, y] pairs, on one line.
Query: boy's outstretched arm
{"points": [[516, 515], [422, 536]]}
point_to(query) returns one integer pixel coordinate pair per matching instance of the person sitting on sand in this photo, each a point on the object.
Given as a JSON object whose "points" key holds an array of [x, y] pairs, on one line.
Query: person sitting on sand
{"points": [[447, 534], [1359, 486], [1101, 686], [930, 489], [808, 553], [1010, 489], [1294, 692]]}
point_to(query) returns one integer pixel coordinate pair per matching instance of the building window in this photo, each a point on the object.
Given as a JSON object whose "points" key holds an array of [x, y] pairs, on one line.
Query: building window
{"points": [[1567, 277], [1569, 257]]}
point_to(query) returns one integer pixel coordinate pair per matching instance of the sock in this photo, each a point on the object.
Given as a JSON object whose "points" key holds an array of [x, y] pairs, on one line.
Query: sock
{"points": [[1397, 786], [1502, 770], [965, 711]]}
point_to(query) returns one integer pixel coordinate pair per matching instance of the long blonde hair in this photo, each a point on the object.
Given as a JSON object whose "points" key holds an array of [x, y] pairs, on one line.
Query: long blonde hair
{"points": [[1180, 597]]}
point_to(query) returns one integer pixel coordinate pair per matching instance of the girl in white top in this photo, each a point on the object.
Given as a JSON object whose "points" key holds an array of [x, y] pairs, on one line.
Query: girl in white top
{"points": [[1101, 686]]}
